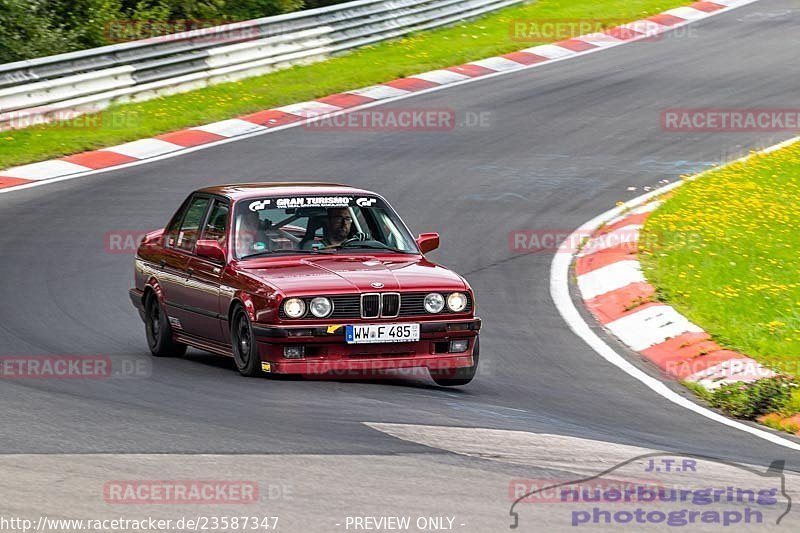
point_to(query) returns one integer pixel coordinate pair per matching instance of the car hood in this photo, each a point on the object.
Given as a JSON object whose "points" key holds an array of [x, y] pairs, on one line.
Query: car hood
{"points": [[343, 274]]}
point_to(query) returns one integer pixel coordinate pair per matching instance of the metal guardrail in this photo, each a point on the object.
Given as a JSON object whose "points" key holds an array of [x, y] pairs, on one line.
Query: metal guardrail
{"points": [[46, 88]]}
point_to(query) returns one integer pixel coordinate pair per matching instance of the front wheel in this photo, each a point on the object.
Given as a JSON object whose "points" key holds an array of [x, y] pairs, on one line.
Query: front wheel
{"points": [[159, 332], [454, 377], [245, 351]]}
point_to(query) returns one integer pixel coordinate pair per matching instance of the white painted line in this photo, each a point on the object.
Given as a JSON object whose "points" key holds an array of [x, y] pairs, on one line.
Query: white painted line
{"points": [[609, 278], [600, 39], [497, 64], [145, 148], [616, 219], [550, 51], [625, 235], [442, 77], [463, 80], [379, 92], [647, 208], [687, 13], [309, 109], [230, 128], [559, 291], [52, 168], [650, 326]]}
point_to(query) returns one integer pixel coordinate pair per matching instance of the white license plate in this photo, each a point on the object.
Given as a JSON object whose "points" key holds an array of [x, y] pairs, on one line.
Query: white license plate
{"points": [[375, 333]]}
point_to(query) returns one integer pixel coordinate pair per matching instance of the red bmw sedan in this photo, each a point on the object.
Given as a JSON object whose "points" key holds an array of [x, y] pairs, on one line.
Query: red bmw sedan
{"points": [[303, 278]]}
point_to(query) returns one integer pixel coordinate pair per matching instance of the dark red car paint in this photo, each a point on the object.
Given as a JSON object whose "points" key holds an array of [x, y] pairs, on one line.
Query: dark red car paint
{"points": [[200, 293]]}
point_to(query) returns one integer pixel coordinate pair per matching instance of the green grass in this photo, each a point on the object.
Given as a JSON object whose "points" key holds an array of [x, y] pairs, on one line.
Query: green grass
{"points": [[698, 389], [781, 424], [484, 37], [793, 406], [723, 250]]}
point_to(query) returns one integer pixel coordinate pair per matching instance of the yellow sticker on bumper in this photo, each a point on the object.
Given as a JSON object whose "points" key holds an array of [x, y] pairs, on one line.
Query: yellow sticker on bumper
{"points": [[266, 366], [334, 328]]}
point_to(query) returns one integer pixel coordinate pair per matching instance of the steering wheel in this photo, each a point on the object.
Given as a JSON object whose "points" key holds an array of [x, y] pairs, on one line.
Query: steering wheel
{"points": [[360, 236]]}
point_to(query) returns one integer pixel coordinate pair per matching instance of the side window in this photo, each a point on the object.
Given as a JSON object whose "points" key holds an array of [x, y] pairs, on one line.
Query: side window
{"points": [[217, 225], [359, 221], [389, 232], [175, 225], [190, 227]]}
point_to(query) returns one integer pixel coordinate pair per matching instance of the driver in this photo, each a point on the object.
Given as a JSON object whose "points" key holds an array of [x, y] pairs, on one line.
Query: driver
{"points": [[338, 226]]}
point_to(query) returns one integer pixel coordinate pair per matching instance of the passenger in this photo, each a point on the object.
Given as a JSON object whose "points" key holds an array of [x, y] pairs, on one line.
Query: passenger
{"points": [[249, 237]]}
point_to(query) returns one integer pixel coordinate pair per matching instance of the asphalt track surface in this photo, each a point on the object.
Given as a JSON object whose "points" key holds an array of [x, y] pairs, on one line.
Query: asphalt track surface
{"points": [[564, 143]]}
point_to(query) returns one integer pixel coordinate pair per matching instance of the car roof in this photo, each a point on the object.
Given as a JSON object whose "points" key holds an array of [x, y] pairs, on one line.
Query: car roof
{"points": [[240, 191]]}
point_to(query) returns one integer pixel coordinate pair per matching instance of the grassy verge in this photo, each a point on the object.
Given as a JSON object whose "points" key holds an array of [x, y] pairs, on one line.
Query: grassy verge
{"points": [[487, 36], [723, 251]]}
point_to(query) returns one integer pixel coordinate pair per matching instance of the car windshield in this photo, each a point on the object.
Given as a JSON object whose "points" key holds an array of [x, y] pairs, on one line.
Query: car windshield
{"points": [[313, 224]]}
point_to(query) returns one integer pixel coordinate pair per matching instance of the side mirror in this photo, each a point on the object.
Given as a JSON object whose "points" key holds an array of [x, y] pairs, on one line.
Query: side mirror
{"points": [[428, 242], [152, 237], [211, 250]]}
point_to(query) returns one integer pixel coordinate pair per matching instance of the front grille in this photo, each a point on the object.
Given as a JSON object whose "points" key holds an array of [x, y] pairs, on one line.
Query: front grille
{"points": [[407, 304], [347, 306], [414, 304], [391, 305], [370, 305]]}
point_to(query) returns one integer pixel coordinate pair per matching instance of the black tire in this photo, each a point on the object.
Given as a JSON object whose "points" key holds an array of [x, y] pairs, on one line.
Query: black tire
{"points": [[458, 376], [245, 350], [158, 330]]}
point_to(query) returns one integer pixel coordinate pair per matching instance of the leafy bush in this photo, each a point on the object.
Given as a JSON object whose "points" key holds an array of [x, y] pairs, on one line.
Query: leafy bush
{"points": [[751, 400], [251, 9], [34, 28]]}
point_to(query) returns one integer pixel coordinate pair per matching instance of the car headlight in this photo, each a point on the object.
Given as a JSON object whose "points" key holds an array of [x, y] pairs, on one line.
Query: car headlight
{"points": [[434, 302], [457, 301], [294, 307], [321, 307]]}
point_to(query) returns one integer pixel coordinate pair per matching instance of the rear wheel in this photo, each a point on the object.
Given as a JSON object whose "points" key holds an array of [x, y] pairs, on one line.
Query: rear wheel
{"points": [[454, 377], [159, 332], [245, 350]]}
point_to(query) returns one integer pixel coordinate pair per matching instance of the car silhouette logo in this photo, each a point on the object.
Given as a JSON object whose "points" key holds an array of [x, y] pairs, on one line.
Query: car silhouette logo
{"points": [[376, 285]]}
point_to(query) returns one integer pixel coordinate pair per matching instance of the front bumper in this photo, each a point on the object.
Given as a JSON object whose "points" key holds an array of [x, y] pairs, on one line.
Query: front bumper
{"points": [[327, 352], [357, 368]]}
